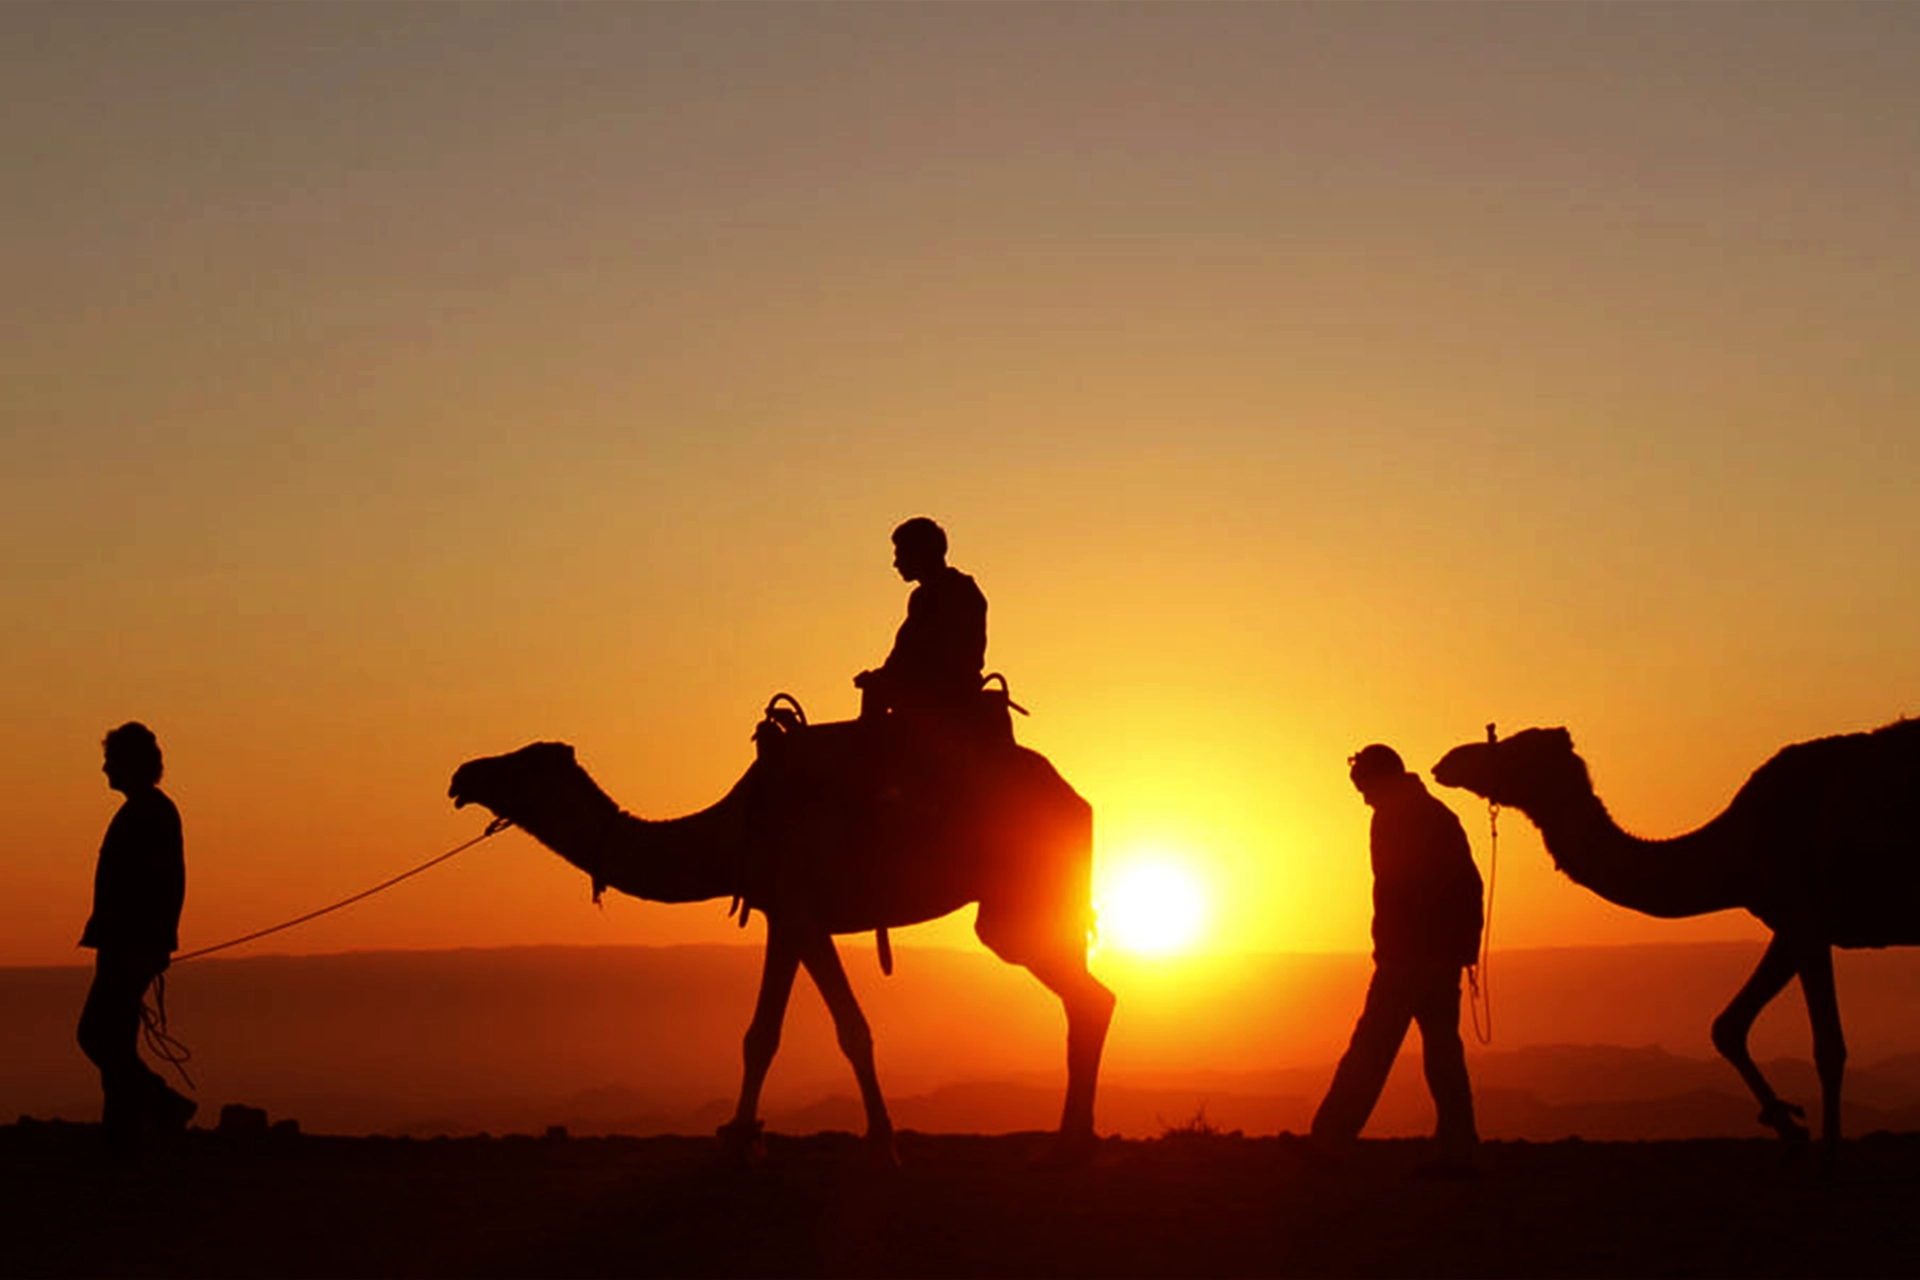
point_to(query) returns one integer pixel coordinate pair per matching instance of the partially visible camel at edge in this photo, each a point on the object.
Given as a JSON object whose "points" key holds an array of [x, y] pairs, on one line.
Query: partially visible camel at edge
{"points": [[1820, 845], [806, 838]]}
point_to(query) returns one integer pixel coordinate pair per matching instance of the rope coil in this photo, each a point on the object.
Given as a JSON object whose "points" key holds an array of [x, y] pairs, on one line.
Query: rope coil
{"points": [[153, 1029]]}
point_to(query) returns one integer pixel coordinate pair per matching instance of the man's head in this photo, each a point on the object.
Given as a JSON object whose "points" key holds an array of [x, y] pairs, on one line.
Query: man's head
{"points": [[1374, 769], [133, 757], [919, 549]]}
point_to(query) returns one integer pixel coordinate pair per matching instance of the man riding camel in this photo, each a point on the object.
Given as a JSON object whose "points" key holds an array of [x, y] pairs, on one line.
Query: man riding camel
{"points": [[932, 678]]}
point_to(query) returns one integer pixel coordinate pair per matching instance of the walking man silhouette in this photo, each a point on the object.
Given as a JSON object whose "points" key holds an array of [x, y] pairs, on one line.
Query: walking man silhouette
{"points": [[1426, 929], [934, 670], [139, 886]]}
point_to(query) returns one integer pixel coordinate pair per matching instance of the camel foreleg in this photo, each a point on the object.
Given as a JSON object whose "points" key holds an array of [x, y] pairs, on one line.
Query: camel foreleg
{"points": [[741, 1135], [850, 1027], [1777, 967]]}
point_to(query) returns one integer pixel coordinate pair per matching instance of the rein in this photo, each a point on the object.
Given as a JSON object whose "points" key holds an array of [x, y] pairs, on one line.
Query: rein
{"points": [[1479, 976]]}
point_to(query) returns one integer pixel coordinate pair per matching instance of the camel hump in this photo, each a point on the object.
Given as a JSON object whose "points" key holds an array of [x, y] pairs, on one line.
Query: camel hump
{"points": [[1863, 772], [1829, 822]]}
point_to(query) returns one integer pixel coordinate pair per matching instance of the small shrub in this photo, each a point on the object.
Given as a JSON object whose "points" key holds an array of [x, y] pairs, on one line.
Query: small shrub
{"points": [[1195, 1126]]}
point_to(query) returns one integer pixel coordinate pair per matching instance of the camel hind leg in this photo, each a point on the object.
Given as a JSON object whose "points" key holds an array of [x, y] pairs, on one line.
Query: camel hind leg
{"points": [[1829, 1041], [1061, 966], [1089, 1005], [1770, 977], [1037, 913]]}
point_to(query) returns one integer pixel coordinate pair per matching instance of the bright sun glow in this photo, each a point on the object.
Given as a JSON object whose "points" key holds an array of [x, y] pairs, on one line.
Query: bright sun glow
{"points": [[1152, 907]]}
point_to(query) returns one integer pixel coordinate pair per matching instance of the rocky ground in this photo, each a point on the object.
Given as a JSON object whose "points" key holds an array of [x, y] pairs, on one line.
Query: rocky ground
{"points": [[1190, 1203]]}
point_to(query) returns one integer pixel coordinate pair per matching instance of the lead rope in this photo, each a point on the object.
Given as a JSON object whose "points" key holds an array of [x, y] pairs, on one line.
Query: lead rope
{"points": [[494, 828], [1479, 977], [153, 1017]]}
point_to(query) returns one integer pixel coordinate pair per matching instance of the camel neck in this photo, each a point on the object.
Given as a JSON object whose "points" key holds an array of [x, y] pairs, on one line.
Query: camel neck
{"points": [[1684, 876], [686, 859]]}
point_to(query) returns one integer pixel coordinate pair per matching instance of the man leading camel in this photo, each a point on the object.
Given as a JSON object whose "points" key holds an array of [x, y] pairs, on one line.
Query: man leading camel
{"points": [[932, 676], [1426, 929], [139, 886]]}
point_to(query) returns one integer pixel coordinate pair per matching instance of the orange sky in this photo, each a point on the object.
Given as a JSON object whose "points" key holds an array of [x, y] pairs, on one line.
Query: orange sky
{"points": [[382, 387]]}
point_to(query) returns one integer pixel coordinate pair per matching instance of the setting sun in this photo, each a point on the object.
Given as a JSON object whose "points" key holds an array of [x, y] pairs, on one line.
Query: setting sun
{"points": [[1153, 906]]}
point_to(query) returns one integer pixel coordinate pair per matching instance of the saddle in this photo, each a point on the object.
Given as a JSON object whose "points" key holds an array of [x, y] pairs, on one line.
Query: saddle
{"points": [[913, 760]]}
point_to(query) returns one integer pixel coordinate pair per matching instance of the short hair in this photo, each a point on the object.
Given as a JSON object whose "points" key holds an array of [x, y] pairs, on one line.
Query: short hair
{"points": [[1375, 761], [134, 745], [921, 531]]}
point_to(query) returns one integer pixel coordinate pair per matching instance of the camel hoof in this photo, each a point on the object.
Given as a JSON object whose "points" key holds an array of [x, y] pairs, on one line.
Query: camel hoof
{"points": [[1067, 1151], [742, 1142], [1827, 1172], [1784, 1119], [881, 1154]]}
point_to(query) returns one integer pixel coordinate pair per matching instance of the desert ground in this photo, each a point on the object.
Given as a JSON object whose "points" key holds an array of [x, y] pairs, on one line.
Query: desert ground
{"points": [[645, 1041], [394, 1063], [1186, 1204]]}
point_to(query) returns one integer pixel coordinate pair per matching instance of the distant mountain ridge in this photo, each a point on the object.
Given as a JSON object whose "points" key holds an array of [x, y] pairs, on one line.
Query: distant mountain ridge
{"points": [[1668, 1097], [1599, 1042]]}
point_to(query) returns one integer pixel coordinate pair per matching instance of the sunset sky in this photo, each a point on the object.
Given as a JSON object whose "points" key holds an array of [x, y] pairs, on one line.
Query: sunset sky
{"points": [[383, 386]]}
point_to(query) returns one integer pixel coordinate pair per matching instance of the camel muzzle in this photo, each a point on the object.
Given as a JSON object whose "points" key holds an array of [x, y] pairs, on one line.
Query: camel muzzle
{"points": [[460, 789]]}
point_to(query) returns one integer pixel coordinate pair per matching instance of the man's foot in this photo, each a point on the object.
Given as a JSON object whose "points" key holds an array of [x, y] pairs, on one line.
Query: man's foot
{"points": [[120, 1128], [171, 1111], [120, 1142]]}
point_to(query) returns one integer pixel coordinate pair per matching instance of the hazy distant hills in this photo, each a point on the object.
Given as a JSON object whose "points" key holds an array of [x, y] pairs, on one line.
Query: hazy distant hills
{"points": [[1598, 1042]]}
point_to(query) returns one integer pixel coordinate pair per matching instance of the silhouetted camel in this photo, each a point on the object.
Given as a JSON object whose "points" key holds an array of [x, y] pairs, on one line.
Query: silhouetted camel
{"points": [[1819, 844], [820, 838]]}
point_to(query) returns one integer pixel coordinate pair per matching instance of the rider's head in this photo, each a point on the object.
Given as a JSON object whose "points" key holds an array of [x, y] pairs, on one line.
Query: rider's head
{"points": [[133, 757], [919, 549], [1375, 768]]}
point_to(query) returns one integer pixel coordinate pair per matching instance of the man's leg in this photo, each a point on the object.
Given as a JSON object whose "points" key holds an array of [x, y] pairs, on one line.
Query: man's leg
{"points": [[109, 1034], [1445, 1058], [1363, 1069]]}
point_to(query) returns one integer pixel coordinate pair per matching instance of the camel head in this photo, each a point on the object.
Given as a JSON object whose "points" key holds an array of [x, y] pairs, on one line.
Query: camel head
{"points": [[523, 785], [1531, 770]]}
